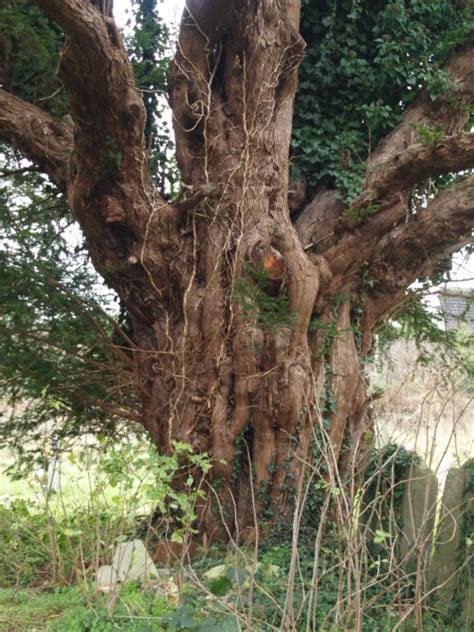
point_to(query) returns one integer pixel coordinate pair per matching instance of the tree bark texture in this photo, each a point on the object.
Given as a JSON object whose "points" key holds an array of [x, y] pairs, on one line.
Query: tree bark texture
{"points": [[265, 375]]}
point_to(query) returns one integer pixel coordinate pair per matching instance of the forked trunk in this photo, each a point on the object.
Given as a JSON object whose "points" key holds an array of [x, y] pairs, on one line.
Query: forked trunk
{"points": [[227, 362], [231, 364]]}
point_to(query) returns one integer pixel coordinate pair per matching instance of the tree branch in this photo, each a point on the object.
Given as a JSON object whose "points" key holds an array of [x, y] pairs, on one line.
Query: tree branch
{"points": [[109, 174], [448, 113], [397, 164], [397, 252], [109, 189], [97, 75], [40, 138], [8, 173], [417, 163], [389, 182], [413, 249], [202, 25]]}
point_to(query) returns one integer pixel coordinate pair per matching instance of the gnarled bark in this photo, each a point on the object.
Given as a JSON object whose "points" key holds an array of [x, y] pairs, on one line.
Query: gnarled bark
{"points": [[44, 140], [225, 355]]}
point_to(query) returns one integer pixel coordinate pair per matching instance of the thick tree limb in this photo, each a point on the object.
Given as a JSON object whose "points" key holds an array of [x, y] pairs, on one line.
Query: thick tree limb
{"points": [[341, 246], [405, 255], [402, 171], [413, 249], [108, 186], [109, 189], [399, 250], [40, 138], [389, 182], [397, 164], [98, 77], [109, 181], [202, 25], [211, 17], [448, 113]]}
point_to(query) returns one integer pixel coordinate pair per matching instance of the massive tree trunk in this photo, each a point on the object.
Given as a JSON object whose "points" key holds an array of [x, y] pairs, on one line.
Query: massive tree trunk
{"points": [[250, 326]]}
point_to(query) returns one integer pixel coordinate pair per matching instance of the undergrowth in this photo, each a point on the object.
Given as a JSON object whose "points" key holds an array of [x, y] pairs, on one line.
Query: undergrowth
{"points": [[306, 579]]}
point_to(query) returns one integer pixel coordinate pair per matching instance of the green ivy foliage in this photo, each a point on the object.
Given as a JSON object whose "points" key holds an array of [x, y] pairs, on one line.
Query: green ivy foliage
{"points": [[365, 61]]}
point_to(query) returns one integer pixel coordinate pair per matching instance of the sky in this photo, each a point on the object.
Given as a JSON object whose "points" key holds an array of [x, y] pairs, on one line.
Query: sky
{"points": [[170, 10]]}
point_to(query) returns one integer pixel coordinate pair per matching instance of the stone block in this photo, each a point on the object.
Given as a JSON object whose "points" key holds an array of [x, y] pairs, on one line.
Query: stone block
{"points": [[106, 579], [452, 566], [448, 538], [418, 513], [132, 561]]}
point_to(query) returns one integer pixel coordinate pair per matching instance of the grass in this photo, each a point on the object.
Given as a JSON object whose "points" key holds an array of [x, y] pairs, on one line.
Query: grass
{"points": [[49, 553], [71, 609], [30, 610], [75, 483]]}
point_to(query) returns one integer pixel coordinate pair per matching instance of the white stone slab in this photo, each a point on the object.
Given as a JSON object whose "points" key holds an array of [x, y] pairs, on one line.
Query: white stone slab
{"points": [[106, 579], [216, 572], [132, 561]]}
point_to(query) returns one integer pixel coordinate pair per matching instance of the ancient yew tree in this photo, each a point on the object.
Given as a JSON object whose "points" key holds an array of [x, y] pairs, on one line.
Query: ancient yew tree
{"points": [[253, 298]]}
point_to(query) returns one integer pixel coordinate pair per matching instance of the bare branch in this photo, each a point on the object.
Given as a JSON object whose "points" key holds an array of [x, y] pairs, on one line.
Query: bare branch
{"points": [[417, 163], [413, 249], [109, 116], [41, 138], [7, 173]]}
